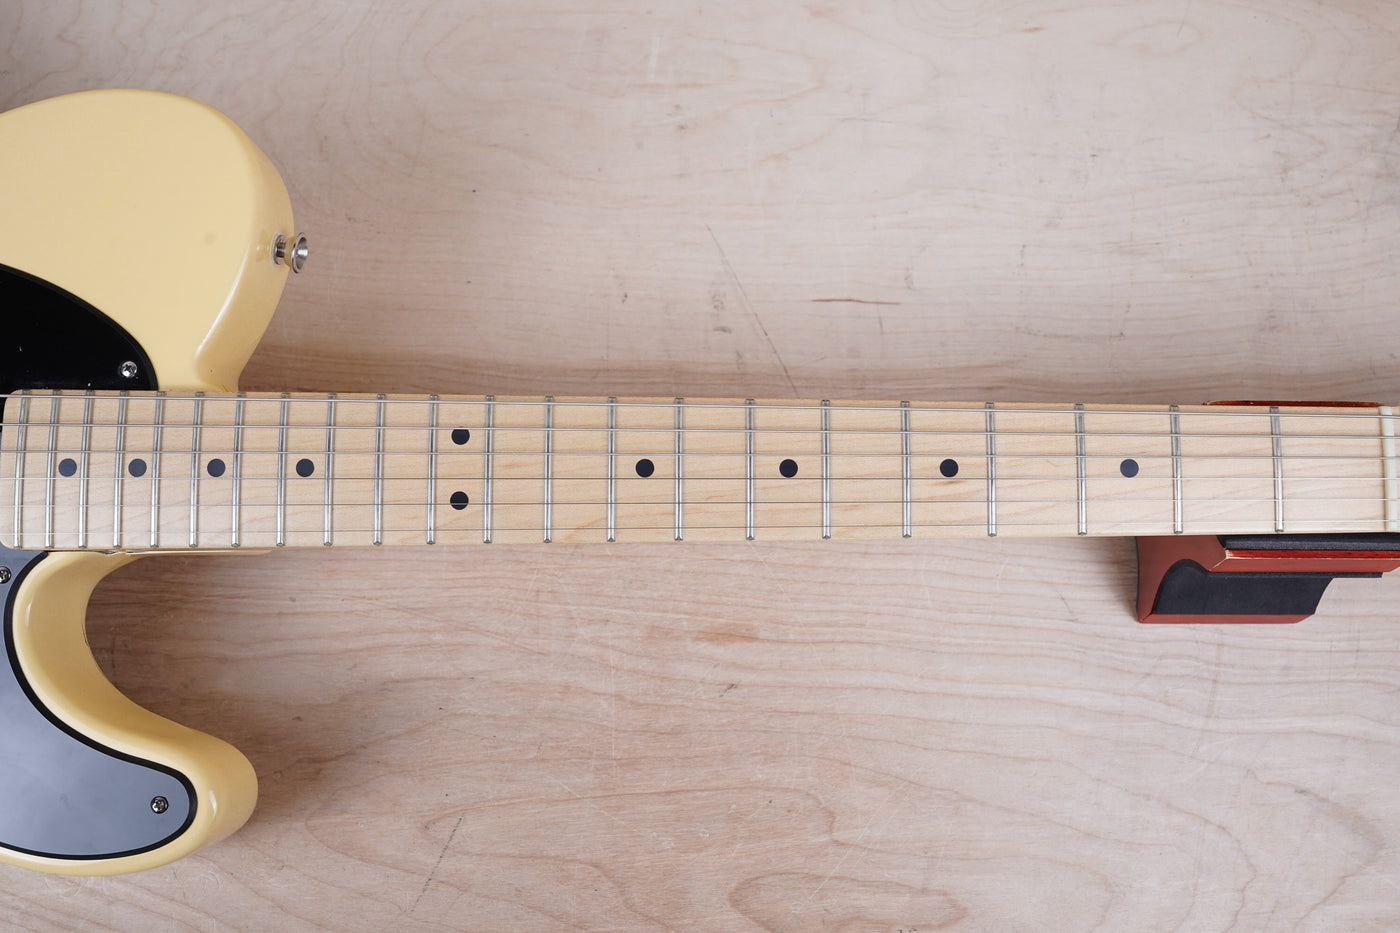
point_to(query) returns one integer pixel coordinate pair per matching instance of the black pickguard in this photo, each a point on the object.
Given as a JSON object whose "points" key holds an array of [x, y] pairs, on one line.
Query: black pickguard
{"points": [[63, 795], [54, 340]]}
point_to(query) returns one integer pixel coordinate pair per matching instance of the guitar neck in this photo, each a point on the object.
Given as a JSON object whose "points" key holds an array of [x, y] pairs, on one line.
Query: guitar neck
{"points": [[133, 471]]}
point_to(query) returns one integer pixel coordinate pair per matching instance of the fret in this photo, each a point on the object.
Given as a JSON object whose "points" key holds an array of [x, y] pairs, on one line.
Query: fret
{"points": [[1036, 466], [119, 470], [548, 466], [84, 464], [21, 431], [1391, 480], [612, 468], [680, 482], [432, 470], [906, 473], [991, 470], [486, 500], [1228, 468], [281, 539], [156, 420], [1177, 526], [826, 468], [1277, 445], [1329, 472], [1081, 470], [748, 470], [52, 469], [196, 418], [578, 442], [518, 436], [328, 484], [378, 538], [236, 479], [867, 456]]}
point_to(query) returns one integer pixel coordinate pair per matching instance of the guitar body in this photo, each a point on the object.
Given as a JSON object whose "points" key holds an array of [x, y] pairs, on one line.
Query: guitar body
{"points": [[136, 253]]}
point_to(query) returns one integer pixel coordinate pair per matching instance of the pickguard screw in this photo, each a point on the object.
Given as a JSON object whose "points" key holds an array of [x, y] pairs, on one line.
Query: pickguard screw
{"points": [[159, 804], [128, 370], [4, 575]]}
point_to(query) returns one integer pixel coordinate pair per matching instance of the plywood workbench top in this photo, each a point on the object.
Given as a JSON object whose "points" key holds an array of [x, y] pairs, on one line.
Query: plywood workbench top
{"points": [[1052, 200]]}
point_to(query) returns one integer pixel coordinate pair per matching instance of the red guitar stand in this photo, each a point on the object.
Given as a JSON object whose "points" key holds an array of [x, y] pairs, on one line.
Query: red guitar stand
{"points": [[1251, 578]]}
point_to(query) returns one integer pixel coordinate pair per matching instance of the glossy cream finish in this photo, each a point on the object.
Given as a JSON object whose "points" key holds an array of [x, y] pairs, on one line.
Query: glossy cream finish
{"points": [[159, 212], [154, 209]]}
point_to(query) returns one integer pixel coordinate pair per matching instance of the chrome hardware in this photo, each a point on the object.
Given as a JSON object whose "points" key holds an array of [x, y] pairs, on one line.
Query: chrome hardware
{"points": [[159, 804], [128, 370], [4, 575], [291, 252]]}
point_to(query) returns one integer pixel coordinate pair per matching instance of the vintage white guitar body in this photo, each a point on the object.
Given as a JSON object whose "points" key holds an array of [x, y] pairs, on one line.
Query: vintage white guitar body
{"points": [[136, 253]]}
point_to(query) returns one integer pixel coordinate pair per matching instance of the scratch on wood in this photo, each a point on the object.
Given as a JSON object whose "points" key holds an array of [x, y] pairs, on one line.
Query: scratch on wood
{"points": [[438, 864], [748, 306], [854, 301]]}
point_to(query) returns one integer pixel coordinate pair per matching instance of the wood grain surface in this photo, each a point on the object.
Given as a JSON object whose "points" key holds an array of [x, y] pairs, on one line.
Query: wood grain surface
{"points": [[1050, 200]]}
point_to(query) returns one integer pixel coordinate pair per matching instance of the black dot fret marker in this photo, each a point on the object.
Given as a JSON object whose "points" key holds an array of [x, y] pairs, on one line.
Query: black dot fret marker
{"points": [[1128, 468], [645, 468], [460, 436], [216, 467], [459, 500], [949, 468], [137, 467], [788, 468], [67, 466], [305, 467]]}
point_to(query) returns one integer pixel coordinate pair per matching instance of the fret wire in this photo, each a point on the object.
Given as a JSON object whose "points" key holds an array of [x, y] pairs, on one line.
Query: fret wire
{"points": [[1277, 441], [378, 471], [236, 519], [1081, 470], [84, 465], [119, 474], [612, 468], [1177, 525], [282, 473], [548, 464], [748, 470], [1392, 487], [194, 468], [486, 472], [49, 480], [991, 470], [432, 466], [826, 468], [155, 468], [328, 493], [906, 470], [22, 426], [680, 488]]}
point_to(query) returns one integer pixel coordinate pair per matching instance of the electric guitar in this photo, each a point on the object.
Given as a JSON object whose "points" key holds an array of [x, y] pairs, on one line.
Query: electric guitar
{"points": [[146, 243]]}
